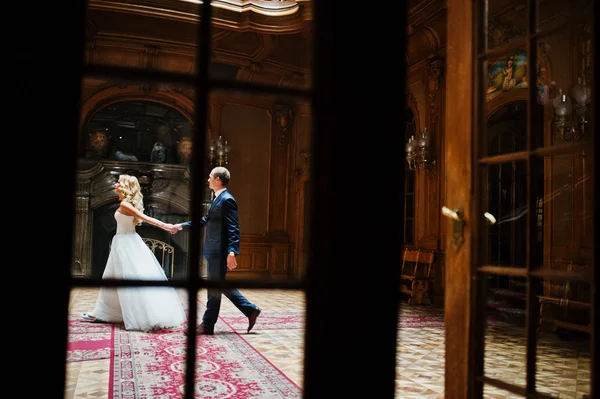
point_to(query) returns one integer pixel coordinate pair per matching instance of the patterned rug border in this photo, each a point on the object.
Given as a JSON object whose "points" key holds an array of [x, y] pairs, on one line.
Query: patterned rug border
{"points": [[258, 352]]}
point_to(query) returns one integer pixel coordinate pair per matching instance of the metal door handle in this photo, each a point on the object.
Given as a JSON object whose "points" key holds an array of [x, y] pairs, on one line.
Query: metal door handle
{"points": [[452, 214], [458, 225]]}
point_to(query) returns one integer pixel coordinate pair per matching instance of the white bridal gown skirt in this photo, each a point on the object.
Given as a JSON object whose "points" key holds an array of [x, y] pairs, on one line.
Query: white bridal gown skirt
{"points": [[139, 308]]}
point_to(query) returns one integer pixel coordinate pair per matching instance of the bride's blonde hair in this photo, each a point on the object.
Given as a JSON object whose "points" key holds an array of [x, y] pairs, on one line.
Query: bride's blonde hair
{"points": [[132, 193]]}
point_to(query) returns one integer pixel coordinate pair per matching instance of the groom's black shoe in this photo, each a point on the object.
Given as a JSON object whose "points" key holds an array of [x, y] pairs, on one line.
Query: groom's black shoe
{"points": [[252, 318], [202, 330]]}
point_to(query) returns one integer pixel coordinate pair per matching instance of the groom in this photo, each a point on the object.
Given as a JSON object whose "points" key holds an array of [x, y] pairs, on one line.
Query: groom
{"points": [[221, 246]]}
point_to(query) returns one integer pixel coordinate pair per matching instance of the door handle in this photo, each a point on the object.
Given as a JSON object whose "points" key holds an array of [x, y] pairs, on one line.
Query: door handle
{"points": [[458, 225]]}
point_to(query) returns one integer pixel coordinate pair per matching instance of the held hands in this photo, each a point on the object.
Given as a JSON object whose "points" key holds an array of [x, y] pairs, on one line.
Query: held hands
{"points": [[175, 228], [167, 226]]}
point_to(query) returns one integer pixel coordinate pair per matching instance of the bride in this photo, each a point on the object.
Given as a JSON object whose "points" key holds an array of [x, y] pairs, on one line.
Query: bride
{"points": [[139, 308]]}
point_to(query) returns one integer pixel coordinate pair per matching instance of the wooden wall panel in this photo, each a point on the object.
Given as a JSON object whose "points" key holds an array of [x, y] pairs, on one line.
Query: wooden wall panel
{"points": [[260, 258], [300, 199], [248, 130], [425, 93], [282, 128], [303, 134], [280, 260], [245, 261]]}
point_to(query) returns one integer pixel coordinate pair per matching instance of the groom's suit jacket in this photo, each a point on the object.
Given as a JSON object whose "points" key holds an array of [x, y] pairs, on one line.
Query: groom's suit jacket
{"points": [[222, 227]]}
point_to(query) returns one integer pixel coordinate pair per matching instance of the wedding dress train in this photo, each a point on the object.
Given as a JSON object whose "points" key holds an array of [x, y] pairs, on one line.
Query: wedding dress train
{"points": [[139, 308]]}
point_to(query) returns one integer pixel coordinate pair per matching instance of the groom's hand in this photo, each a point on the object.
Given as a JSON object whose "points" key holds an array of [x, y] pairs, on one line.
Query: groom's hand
{"points": [[175, 228], [231, 262]]}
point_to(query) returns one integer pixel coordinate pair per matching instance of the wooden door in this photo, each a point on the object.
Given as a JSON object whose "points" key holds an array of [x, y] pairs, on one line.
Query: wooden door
{"points": [[549, 258]]}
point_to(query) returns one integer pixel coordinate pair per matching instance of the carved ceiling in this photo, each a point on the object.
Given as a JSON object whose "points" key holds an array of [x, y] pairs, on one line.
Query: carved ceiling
{"points": [[426, 30], [272, 16], [264, 41]]}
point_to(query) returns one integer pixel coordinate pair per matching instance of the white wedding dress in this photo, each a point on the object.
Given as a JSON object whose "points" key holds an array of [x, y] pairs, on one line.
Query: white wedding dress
{"points": [[139, 308]]}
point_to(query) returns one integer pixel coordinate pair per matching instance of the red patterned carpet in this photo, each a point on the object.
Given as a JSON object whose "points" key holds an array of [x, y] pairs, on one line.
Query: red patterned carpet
{"points": [[152, 365], [89, 341]]}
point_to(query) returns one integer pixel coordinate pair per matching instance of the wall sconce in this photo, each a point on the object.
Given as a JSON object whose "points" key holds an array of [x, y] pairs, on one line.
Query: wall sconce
{"points": [[572, 125], [417, 153], [218, 152]]}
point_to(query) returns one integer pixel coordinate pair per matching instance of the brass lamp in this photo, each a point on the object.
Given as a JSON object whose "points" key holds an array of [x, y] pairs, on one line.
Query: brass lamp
{"points": [[417, 153], [572, 125], [218, 152]]}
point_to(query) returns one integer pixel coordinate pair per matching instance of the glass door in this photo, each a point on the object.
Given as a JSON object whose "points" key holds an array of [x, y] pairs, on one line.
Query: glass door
{"points": [[520, 202], [533, 210]]}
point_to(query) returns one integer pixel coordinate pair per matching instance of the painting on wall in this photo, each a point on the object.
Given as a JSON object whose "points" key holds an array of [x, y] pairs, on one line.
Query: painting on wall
{"points": [[510, 73]]}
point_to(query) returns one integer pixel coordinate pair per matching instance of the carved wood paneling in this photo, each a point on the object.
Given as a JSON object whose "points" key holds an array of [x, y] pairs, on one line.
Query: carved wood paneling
{"points": [[411, 102], [426, 30], [300, 200], [102, 93], [262, 258], [428, 184], [83, 223], [280, 260], [248, 130], [146, 39], [280, 160]]}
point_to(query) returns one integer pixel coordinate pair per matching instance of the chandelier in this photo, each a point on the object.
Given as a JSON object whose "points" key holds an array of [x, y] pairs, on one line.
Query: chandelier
{"points": [[218, 152], [572, 124], [417, 153]]}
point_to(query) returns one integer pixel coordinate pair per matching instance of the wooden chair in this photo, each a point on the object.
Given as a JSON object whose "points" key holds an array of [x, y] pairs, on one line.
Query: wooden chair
{"points": [[563, 301], [417, 269], [410, 260]]}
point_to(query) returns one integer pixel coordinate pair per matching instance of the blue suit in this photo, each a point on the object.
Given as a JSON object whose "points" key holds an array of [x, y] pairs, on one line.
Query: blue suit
{"points": [[222, 230]]}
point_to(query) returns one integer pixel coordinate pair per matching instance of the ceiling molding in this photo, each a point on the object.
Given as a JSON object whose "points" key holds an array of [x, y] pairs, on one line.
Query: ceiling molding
{"points": [[267, 16], [426, 11], [115, 42]]}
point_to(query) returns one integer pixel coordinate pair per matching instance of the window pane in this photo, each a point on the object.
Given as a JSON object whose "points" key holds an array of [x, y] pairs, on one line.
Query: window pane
{"points": [[564, 95], [566, 209], [410, 182], [505, 207], [420, 355], [142, 36], [144, 131], [410, 206], [505, 333], [563, 346], [417, 375], [553, 16], [269, 139], [107, 360], [268, 360], [409, 228], [267, 45], [506, 123], [250, 43], [507, 23]]}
